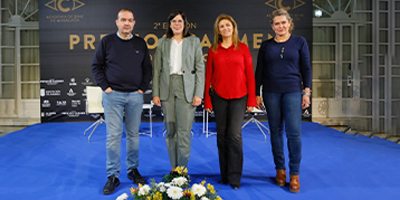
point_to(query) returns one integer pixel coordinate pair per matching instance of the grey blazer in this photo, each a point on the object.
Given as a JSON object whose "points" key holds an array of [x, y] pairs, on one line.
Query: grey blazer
{"points": [[192, 68]]}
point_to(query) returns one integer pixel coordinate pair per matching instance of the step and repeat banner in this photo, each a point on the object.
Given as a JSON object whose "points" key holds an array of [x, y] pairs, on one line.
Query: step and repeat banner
{"points": [[70, 31]]}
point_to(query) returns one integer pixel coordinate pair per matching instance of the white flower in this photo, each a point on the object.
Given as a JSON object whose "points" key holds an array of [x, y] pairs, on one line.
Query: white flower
{"points": [[167, 184], [180, 181], [204, 198], [175, 192], [162, 189], [123, 196], [198, 189], [144, 190], [160, 184]]}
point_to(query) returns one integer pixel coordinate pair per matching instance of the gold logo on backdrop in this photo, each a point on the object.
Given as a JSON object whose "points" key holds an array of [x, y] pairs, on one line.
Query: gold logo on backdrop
{"points": [[285, 4], [60, 5]]}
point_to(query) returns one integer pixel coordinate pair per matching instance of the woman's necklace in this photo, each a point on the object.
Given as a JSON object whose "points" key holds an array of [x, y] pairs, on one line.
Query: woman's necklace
{"points": [[283, 46], [282, 40]]}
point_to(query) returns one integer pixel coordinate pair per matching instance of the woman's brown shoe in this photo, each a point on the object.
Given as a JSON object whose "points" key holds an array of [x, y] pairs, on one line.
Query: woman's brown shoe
{"points": [[294, 185], [280, 177]]}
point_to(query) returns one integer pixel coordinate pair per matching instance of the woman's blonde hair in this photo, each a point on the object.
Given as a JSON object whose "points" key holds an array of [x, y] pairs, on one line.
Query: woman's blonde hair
{"points": [[280, 12], [217, 35]]}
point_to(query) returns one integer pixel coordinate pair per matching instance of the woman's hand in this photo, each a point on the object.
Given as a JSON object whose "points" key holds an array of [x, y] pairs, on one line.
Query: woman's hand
{"points": [[157, 101], [306, 102], [259, 101], [306, 98], [209, 110], [250, 109], [196, 101]]}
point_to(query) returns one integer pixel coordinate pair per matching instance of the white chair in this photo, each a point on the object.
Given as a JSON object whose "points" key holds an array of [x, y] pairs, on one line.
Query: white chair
{"points": [[94, 107], [253, 119], [205, 124], [149, 107]]}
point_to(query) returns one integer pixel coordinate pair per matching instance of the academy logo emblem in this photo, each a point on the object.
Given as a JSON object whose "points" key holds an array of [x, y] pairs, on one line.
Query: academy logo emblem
{"points": [[64, 5], [285, 4]]}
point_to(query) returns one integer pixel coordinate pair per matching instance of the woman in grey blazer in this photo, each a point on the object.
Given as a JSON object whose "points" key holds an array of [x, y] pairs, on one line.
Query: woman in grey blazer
{"points": [[178, 85]]}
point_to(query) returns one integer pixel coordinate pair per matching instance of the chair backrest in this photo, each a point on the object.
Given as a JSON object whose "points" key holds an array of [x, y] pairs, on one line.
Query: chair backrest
{"points": [[257, 110], [94, 96]]}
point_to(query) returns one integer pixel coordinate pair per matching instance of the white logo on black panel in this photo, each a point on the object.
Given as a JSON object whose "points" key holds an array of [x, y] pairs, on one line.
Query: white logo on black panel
{"points": [[46, 103], [306, 113], [73, 113], [71, 92], [44, 92], [72, 82], [47, 114], [52, 81], [87, 82], [61, 102], [75, 103]]}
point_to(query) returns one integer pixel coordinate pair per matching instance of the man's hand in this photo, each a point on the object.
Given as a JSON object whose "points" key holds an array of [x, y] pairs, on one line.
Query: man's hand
{"points": [[140, 91], [108, 90]]}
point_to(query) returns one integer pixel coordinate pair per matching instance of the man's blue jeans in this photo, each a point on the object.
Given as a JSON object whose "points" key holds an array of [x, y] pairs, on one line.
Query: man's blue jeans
{"points": [[117, 105], [285, 109]]}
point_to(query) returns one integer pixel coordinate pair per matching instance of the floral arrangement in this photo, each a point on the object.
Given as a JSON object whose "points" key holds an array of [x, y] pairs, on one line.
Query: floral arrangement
{"points": [[173, 186]]}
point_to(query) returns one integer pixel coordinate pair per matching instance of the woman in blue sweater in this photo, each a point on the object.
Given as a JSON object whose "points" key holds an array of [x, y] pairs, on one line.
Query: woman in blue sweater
{"points": [[283, 71]]}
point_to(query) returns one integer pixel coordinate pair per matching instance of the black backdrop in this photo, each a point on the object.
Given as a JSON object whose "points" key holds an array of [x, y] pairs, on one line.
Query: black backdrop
{"points": [[70, 30]]}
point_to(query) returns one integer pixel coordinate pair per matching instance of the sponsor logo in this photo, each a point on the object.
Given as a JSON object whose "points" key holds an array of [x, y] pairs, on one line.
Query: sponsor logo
{"points": [[72, 82], [73, 113], [75, 103], [71, 92], [285, 4], [61, 102], [306, 113], [52, 81], [47, 114], [87, 82], [44, 92], [46, 103], [84, 92], [64, 5]]}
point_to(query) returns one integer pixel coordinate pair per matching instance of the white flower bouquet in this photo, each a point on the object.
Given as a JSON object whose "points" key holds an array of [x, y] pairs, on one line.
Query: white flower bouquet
{"points": [[174, 186]]}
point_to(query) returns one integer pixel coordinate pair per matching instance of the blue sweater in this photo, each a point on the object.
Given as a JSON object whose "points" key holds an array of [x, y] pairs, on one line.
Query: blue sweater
{"points": [[283, 67], [123, 65]]}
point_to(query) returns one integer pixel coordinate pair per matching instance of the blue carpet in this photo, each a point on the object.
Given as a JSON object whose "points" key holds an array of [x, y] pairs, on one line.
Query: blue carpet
{"points": [[55, 161]]}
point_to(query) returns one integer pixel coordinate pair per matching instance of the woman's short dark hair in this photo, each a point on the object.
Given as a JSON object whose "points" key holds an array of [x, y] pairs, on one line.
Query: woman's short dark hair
{"points": [[171, 16]]}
